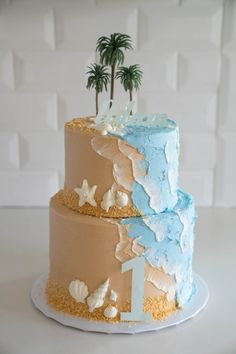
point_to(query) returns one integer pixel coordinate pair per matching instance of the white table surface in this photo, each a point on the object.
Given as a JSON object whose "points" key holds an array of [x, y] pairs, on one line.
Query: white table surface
{"points": [[24, 330]]}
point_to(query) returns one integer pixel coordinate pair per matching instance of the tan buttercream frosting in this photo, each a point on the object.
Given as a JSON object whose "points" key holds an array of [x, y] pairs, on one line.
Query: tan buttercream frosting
{"points": [[84, 247], [83, 161], [86, 243]]}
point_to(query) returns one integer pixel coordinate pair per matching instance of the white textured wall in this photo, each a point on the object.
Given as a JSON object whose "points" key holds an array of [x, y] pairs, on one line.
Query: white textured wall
{"points": [[187, 50]]}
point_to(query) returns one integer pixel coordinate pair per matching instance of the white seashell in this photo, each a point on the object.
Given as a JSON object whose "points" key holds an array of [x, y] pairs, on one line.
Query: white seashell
{"points": [[122, 199], [108, 200], [96, 299], [103, 128], [113, 296], [78, 290], [110, 311]]}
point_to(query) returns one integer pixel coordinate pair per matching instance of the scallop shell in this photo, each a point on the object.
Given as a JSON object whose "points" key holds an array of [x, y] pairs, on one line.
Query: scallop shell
{"points": [[96, 299], [78, 290], [122, 199], [110, 311]]}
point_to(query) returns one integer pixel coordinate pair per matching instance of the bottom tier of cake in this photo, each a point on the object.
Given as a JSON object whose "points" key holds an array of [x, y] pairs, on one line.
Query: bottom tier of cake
{"points": [[131, 269]]}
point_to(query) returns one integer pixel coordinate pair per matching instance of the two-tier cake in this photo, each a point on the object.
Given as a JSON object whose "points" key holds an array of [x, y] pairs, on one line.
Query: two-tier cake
{"points": [[121, 209], [121, 232]]}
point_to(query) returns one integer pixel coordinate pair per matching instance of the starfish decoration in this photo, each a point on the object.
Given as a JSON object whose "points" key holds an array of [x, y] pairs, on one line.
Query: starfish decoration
{"points": [[86, 194]]}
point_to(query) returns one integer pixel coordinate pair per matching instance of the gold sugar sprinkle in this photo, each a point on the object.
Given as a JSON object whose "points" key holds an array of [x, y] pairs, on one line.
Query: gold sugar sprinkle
{"points": [[81, 124], [71, 200], [59, 298]]}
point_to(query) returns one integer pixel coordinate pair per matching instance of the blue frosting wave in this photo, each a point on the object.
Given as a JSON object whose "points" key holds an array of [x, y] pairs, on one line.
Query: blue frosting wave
{"points": [[159, 146], [173, 248], [166, 228]]}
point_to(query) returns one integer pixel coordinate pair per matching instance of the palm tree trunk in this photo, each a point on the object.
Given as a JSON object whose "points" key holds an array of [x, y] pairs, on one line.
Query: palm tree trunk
{"points": [[96, 99], [130, 98], [112, 83]]}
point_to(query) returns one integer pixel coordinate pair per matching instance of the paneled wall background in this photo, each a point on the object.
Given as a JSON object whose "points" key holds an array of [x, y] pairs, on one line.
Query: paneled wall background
{"points": [[187, 50]]}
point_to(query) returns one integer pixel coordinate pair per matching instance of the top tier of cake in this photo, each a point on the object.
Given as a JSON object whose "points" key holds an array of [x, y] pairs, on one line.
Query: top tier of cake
{"points": [[120, 173]]}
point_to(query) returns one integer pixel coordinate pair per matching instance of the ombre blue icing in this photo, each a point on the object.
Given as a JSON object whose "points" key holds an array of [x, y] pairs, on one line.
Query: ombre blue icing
{"points": [[156, 189], [167, 239]]}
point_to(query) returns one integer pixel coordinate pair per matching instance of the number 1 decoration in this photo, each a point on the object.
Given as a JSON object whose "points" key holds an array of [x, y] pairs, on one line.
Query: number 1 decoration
{"points": [[137, 291]]}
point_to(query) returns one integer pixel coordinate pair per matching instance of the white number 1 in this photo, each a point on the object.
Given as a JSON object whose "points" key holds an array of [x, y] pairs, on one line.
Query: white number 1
{"points": [[137, 291]]}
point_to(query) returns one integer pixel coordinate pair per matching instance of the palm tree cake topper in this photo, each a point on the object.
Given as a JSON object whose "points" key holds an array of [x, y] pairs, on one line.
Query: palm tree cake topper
{"points": [[130, 78], [111, 51], [98, 79]]}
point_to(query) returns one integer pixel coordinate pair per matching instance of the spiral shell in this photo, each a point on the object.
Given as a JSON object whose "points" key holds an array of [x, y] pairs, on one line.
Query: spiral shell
{"points": [[108, 200], [78, 290], [96, 299]]}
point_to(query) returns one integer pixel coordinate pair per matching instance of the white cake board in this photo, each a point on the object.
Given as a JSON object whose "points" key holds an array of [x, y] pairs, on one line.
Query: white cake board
{"points": [[197, 303]]}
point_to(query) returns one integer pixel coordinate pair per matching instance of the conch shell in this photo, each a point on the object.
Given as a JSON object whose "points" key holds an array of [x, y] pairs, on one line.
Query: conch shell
{"points": [[78, 290], [96, 299], [108, 200]]}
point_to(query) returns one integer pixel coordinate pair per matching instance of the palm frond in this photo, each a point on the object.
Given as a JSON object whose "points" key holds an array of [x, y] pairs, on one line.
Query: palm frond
{"points": [[98, 77], [112, 48], [130, 77]]}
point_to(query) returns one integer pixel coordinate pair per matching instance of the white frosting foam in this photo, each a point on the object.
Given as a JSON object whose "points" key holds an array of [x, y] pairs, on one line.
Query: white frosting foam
{"points": [[170, 157], [122, 169], [160, 282], [156, 227]]}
